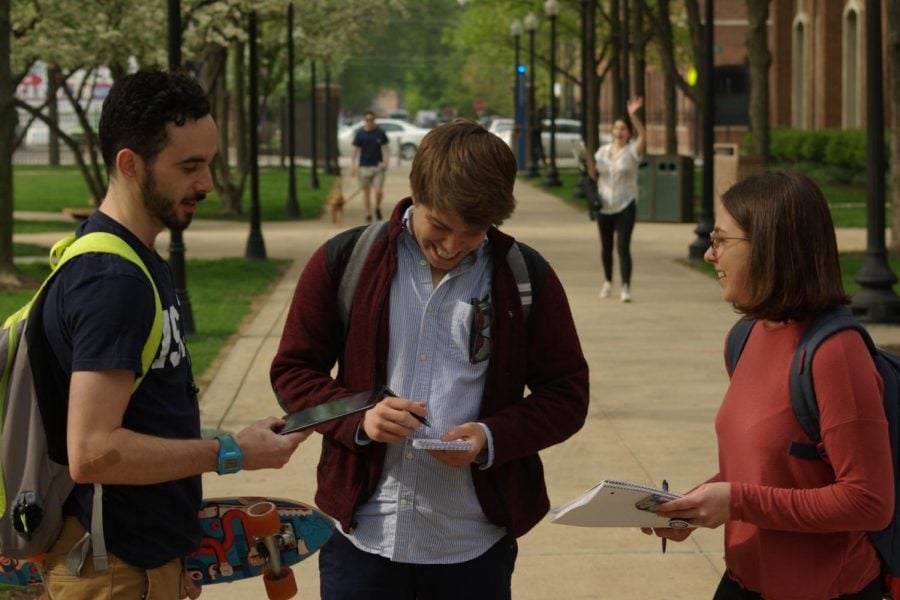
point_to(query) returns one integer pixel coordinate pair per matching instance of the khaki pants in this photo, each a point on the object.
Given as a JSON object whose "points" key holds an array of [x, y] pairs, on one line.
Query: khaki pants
{"points": [[119, 581]]}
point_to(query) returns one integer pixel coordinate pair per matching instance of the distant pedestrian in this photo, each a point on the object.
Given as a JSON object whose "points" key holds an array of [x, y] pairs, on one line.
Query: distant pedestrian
{"points": [[615, 168], [795, 528], [371, 155]]}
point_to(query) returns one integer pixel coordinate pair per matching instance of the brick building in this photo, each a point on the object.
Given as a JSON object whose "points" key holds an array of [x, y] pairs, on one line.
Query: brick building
{"points": [[816, 80]]}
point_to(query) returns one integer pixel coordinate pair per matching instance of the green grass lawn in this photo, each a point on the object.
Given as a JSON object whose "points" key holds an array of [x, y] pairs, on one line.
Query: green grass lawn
{"points": [[221, 291], [50, 189], [34, 226]]}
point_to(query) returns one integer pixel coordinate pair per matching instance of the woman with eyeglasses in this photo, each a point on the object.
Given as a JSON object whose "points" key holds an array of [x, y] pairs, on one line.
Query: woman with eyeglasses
{"points": [[795, 528], [615, 169]]}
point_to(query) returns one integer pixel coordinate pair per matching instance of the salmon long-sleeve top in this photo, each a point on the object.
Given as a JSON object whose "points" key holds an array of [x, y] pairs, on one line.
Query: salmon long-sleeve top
{"points": [[798, 527]]}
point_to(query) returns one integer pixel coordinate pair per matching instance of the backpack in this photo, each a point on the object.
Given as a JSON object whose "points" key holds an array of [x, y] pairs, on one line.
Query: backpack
{"points": [[36, 480], [803, 401], [346, 254]]}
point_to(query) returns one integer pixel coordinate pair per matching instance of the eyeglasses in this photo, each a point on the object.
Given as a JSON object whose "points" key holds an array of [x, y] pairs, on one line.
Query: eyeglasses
{"points": [[479, 343], [715, 240]]}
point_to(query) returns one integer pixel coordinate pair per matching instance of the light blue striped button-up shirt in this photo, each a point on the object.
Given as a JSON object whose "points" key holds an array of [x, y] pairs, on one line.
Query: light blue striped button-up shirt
{"points": [[425, 512]]}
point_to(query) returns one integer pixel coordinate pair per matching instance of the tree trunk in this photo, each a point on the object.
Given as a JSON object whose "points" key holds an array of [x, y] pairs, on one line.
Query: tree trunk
{"points": [[760, 60], [893, 42], [8, 273], [239, 111], [641, 38], [54, 77], [616, 57], [670, 114]]}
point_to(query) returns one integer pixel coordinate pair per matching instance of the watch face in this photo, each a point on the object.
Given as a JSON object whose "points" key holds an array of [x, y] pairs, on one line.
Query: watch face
{"points": [[230, 463]]}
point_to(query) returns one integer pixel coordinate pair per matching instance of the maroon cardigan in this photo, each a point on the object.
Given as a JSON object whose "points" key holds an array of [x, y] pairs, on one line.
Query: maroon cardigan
{"points": [[543, 354]]}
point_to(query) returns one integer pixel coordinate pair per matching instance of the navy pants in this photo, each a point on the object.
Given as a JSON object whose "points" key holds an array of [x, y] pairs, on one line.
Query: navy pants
{"points": [[729, 589], [348, 573]]}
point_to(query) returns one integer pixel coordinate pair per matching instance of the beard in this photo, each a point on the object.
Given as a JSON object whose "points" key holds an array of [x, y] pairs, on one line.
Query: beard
{"points": [[161, 207]]}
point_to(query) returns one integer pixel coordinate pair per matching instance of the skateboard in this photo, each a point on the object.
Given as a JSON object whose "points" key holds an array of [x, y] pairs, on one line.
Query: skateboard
{"points": [[243, 537]]}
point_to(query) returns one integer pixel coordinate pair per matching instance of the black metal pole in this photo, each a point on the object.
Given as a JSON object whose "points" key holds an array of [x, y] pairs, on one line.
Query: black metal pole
{"points": [[552, 178], [876, 300], [518, 127], [176, 237], [331, 162], [256, 247], [626, 58], [705, 224], [313, 101], [586, 66], [293, 206], [533, 170]]}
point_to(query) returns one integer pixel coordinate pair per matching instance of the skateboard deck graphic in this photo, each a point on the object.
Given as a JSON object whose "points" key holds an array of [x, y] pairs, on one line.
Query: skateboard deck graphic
{"points": [[235, 545]]}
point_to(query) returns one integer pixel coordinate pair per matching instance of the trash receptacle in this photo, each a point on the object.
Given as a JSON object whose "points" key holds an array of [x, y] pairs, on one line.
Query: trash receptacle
{"points": [[645, 189], [666, 193]]}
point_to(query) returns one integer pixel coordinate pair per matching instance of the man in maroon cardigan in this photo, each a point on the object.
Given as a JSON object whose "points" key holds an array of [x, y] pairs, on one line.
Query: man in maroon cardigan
{"points": [[438, 317]]}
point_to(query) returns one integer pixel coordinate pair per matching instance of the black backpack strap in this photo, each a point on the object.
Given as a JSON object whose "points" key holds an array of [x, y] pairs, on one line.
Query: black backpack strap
{"points": [[803, 393], [735, 342], [362, 240]]}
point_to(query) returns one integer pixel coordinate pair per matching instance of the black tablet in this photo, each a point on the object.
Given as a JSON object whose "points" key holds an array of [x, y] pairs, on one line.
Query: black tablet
{"points": [[321, 413]]}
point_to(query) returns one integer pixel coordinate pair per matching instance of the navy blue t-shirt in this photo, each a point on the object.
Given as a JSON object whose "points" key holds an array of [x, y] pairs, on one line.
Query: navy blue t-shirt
{"points": [[370, 143], [97, 316]]}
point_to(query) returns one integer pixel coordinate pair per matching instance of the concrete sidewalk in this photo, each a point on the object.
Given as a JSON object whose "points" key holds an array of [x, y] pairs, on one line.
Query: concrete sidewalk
{"points": [[657, 377]]}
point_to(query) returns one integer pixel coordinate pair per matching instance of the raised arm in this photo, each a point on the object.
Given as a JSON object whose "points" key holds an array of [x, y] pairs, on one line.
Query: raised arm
{"points": [[634, 105]]}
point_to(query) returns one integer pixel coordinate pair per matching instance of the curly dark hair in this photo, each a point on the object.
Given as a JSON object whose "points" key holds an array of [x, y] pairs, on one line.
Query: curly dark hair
{"points": [[138, 108]]}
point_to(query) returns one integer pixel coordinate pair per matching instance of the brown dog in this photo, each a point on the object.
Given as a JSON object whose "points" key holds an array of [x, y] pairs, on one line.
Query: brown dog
{"points": [[336, 201]]}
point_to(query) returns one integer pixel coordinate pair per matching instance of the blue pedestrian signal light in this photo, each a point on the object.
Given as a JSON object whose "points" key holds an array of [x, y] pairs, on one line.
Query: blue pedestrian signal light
{"points": [[520, 69]]}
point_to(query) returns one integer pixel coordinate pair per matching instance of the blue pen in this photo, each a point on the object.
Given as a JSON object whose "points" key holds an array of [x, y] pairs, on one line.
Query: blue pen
{"points": [[665, 488]]}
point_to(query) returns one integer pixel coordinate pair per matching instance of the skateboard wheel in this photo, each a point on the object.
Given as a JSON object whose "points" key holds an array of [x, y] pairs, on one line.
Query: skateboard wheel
{"points": [[264, 519], [280, 586]]}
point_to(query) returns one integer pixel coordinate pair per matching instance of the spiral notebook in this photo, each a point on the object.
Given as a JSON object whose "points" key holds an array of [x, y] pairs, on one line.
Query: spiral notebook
{"points": [[617, 504]]}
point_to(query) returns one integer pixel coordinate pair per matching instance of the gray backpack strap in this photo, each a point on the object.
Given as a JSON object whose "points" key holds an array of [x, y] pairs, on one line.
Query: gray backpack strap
{"points": [[353, 269], [523, 281]]}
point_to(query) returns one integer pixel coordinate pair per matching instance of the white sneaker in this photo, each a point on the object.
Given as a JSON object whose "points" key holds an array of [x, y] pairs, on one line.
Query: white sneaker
{"points": [[626, 293], [606, 290]]}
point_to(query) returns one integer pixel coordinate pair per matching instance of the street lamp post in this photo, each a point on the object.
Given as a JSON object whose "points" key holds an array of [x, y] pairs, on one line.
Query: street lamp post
{"points": [[515, 29], [531, 23], [876, 300], [293, 206], [256, 247], [176, 239], [588, 127], [551, 9], [705, 225], [314, 151]]}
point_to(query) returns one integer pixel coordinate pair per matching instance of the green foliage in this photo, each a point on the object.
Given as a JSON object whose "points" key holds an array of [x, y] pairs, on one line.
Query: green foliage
{"points": [[840, 148], [273, 192]]}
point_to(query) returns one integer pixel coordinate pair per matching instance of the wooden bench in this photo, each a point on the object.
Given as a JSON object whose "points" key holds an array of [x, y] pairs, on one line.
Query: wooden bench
{"points": [[79, 214]]}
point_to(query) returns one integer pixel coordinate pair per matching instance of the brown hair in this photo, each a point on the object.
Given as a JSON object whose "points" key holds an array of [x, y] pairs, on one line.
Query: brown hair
{"points": [[463, 168], [794, 270]]}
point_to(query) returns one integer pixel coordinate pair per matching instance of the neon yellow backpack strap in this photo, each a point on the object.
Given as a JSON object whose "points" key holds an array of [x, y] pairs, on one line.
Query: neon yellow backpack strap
{"points": [[68, 248], [99, 241]]}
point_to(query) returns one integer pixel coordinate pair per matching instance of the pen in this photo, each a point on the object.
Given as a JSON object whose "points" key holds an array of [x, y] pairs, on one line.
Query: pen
{"points": [[421, 420], [386, 391], [665, 488]]}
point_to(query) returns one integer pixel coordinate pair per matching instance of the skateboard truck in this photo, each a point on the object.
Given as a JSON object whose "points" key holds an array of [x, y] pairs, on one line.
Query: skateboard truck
{"points": [[265, 525]]}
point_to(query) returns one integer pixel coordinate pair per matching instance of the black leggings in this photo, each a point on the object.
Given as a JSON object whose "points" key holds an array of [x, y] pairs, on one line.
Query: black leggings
{"points": [[621, 225], [729, 589]]}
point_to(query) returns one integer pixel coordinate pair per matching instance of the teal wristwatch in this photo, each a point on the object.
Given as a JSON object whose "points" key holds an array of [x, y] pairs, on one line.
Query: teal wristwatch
{"points": [[230, 458]]}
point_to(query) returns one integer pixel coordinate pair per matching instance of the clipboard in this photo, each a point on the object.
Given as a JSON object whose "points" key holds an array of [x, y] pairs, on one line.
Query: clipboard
{"points": [[618, 504]]}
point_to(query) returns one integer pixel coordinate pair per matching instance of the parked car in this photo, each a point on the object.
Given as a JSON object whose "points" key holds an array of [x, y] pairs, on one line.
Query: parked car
{"points": [[568, 135], [401, 134]]}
